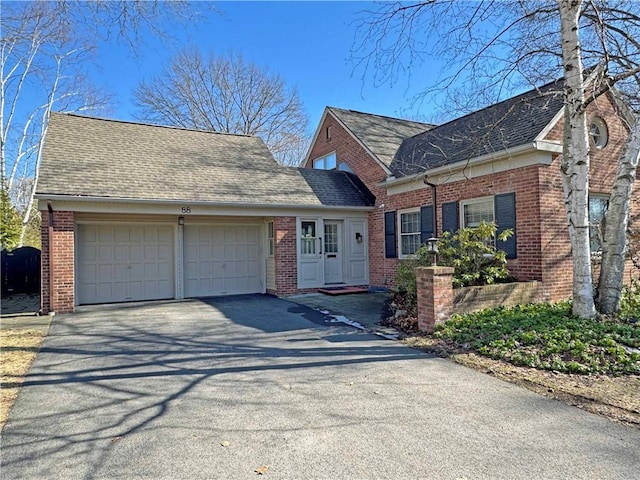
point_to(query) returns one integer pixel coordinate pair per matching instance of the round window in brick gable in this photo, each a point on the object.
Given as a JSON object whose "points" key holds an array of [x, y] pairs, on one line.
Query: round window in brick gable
{"points": [[598, 132]]}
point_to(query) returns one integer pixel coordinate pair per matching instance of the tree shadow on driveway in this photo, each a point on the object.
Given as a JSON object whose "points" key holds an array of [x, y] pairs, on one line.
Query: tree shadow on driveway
{"points": [[105, 375], [153, 391]]}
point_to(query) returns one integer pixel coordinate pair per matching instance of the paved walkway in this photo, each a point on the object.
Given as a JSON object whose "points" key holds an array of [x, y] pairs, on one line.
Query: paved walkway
{"points": [[214, 389], [365, 309]]}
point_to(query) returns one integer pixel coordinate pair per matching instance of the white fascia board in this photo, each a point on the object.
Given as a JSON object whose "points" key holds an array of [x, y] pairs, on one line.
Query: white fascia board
{"points": [[175, 207], [548, 146], [530, 154], [545, 131]]}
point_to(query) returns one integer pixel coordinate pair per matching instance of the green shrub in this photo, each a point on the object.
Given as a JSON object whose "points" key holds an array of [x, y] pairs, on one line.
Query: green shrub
{"points": [[406, 279], [470, 251], [473, 255], [630, 300]]}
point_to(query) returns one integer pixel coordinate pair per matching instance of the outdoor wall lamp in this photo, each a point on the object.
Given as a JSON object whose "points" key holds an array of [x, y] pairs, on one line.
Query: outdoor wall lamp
{"points": [[432, 248], [180, 220], [358, 237]]}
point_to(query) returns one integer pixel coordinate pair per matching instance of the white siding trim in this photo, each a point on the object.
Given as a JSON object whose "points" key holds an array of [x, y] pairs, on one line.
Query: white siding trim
{"points": [[466, 170], [203, 209]]}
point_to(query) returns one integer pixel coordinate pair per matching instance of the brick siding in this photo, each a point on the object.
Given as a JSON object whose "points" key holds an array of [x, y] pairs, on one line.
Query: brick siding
{"points": [[63, 299], [350, 152], [472, 299], [544, 250], [285, 255], [434, 295], [438, 300]]}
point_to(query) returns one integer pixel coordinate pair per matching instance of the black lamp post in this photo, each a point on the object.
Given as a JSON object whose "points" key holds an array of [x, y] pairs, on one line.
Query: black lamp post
{"points": [[432, 248]]}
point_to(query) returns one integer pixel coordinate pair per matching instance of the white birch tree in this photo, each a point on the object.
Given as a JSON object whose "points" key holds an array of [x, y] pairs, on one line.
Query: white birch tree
{"points": [[575, 158], [496, 46]]}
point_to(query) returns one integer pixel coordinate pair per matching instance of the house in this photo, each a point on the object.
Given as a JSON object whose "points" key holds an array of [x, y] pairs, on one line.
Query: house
{"points": [[140, 212], [143, 212], [499, 164]]}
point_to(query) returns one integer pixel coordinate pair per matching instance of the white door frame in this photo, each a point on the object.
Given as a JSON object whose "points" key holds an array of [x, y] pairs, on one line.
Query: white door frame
{"points": [[329, 257]]}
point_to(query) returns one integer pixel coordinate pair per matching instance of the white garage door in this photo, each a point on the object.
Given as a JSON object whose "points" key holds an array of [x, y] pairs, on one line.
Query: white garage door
{"points": [[121, 263], [221, 260]]}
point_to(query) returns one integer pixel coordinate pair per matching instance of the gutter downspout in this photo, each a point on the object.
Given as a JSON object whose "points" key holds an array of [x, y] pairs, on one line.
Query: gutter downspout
{"points": [[50, 249], [434, 195]]}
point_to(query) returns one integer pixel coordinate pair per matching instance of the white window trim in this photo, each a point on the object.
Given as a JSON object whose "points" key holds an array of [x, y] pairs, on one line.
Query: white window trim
{"points": [[604, 133], [472, 201], [271, 240], [399, 230], [324, 158]]}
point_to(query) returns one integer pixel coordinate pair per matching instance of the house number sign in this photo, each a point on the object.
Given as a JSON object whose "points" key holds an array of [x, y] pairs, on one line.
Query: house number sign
{"points": [[186, 209]]}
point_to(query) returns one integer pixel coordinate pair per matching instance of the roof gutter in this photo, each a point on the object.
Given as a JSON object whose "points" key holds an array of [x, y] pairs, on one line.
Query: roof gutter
{"points": [[145, 201], [538, 145]]}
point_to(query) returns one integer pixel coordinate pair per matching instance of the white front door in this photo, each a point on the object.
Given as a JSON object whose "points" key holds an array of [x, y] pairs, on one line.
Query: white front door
{"points": [[332, 252]]}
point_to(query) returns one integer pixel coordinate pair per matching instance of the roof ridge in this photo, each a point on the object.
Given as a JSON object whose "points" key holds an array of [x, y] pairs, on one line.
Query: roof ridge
{"points": [[145, 124], [381, 116]]}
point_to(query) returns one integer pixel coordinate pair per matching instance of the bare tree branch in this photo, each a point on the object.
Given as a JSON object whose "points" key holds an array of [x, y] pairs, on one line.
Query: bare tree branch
{"points": [[227, 94]]}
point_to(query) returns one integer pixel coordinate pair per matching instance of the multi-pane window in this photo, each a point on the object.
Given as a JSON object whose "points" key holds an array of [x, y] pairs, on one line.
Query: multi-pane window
{"points": [[476, 211], [409, 232], [270, 238], [597, 207], [331, 238], [328, 162], [308, 238], [598, 132]]}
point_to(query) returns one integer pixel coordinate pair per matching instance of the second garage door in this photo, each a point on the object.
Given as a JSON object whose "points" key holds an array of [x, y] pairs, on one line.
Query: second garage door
{"points": [[221, 260]]}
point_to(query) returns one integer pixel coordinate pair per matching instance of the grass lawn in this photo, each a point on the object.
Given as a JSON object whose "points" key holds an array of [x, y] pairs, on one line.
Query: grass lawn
{"points": [[18, 348]]}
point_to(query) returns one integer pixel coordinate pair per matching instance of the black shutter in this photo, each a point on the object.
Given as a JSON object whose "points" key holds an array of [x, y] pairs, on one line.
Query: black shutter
{"points": [[426, 223], [390, 235], [505, 212], [450, 217]]}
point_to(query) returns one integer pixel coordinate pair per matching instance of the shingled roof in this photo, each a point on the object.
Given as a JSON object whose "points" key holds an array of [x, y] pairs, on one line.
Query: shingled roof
{"points": [[381, 135], [91, 157], [334, 187], [510, 123]]}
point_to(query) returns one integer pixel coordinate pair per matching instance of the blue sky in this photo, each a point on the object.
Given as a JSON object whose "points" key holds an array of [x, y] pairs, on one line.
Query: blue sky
{"points": [[308, 43]]}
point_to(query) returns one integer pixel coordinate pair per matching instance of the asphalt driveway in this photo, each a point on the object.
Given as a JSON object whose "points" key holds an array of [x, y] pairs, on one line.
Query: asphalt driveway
{"points": [[155, 391]]}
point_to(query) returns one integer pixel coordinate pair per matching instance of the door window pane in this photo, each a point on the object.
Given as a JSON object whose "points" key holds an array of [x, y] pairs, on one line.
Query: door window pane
{"points": [[308, 238], [331, 238]]}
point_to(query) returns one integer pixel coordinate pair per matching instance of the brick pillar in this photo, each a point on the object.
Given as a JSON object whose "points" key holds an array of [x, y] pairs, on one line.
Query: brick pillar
{"points": [[435, 296], [285, 255], [62, 299]]}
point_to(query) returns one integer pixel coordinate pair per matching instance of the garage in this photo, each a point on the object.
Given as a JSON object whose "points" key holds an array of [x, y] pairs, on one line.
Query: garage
{"points": [[123, 263], [221, 260]]}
